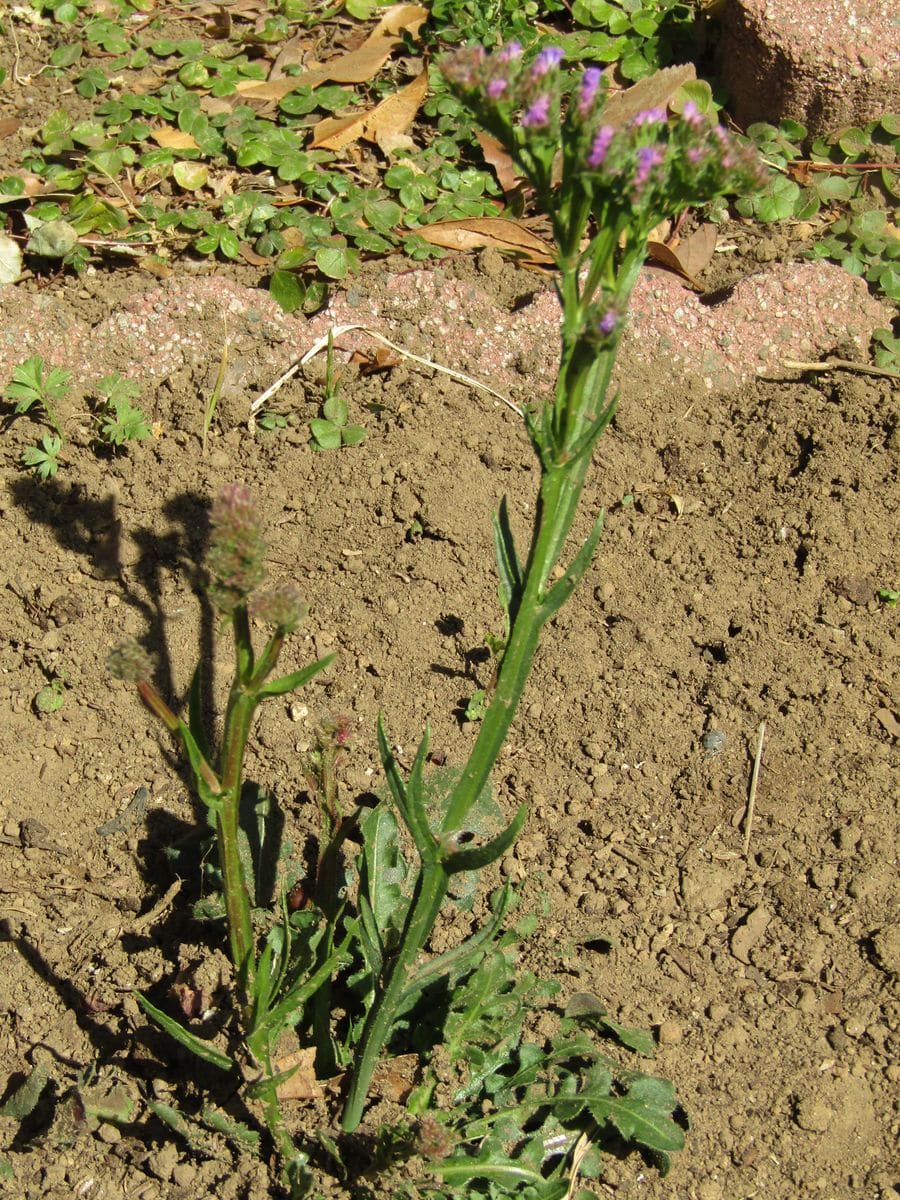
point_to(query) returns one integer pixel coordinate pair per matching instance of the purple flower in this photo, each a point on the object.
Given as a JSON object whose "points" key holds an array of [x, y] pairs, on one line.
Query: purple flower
{"points": [[599, 147], [648, 157], [650, 116], [691, 114], [608, 322], [590, 82], [549, 57], [497, 87], [537, 116], [508, 52]]}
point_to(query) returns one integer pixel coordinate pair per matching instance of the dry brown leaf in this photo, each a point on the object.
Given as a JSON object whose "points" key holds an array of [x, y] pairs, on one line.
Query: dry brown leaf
{"points": [[248, 254], [357, 66], [477, 232], [653, 92], [385, 124], [291, 54], [696, 251], [8, 126], [400, 17], [495, 156], [394, 1078], [302, 1084], [173, 139]]}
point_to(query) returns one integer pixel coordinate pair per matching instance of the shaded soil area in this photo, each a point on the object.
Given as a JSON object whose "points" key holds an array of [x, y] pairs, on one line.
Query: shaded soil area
{"points": [[736, 584]]}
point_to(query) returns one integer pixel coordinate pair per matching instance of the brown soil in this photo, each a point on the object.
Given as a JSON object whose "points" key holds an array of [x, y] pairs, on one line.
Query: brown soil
{"points": [[739, 587]]}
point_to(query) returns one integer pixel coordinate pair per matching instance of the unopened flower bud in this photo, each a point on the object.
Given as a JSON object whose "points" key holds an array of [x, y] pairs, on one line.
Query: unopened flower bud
{"points": [[548, 59], [237, 549], [537, 115], [129, 661], [650, 116], [600, 146], [280, 604], [590, 85], [508, 52]]}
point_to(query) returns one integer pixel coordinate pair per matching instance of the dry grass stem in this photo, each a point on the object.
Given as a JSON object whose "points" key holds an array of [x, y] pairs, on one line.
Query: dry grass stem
{"points": [[754, 784]]}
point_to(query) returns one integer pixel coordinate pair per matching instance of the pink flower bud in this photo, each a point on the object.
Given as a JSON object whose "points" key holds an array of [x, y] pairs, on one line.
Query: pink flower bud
{"points": [[549, 58], [538, 115], [280, 605], [129, 661]]}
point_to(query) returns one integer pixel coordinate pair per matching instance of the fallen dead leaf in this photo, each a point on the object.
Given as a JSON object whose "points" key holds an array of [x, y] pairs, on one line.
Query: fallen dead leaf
{"points": [[173, 139], [385, 124], [356, 66], [653, 92], [687, 258], [301, 1084], [400, 17], [8, 126], [291, 54], [477, 232], [495, 156]]}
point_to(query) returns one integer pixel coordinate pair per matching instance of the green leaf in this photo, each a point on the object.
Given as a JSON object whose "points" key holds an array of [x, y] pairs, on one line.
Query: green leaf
{"points": [[333, 261], [508, 566], [643, 1115], [190, 1041], [190, 175], [353, 435], [778, 203], [24, 1099], [52, 239], [383, 870], [287, 289], [335, 410], [325, 435], [296, 679], [481, 856]]}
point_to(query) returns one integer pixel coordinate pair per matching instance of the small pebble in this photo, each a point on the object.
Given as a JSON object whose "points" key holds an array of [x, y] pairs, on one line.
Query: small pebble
{"points": [[714, 742], [669, 1033]]}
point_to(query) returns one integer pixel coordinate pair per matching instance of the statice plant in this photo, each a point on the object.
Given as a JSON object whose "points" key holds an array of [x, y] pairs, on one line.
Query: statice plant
{"points": [[605, 181]]}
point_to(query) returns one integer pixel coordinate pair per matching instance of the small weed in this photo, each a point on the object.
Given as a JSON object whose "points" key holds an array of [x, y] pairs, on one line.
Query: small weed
{"points": [[118, 421], [51, 697], [889, 597], [32, 388], [44, 458], [331, 431]]}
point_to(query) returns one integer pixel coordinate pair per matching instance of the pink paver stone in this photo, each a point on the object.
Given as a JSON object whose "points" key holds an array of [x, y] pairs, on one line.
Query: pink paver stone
{"points": [[825, 63], [787, 311]]}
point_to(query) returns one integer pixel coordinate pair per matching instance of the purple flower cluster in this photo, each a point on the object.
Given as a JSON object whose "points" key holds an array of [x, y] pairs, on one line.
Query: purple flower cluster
{"points": [[636, 171], [237, 550], [489, 80]]}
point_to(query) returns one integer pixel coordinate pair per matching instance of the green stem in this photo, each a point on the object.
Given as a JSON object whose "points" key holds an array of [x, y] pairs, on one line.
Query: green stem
{"points": [[564, 455], [429, 896]]}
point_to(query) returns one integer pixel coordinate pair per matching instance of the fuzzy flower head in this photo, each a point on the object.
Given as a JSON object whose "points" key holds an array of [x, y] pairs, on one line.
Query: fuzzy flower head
{"points": [[129, 661], [237, 550], [280, 605], [537, 115], [547, 60], [588, 91]]}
